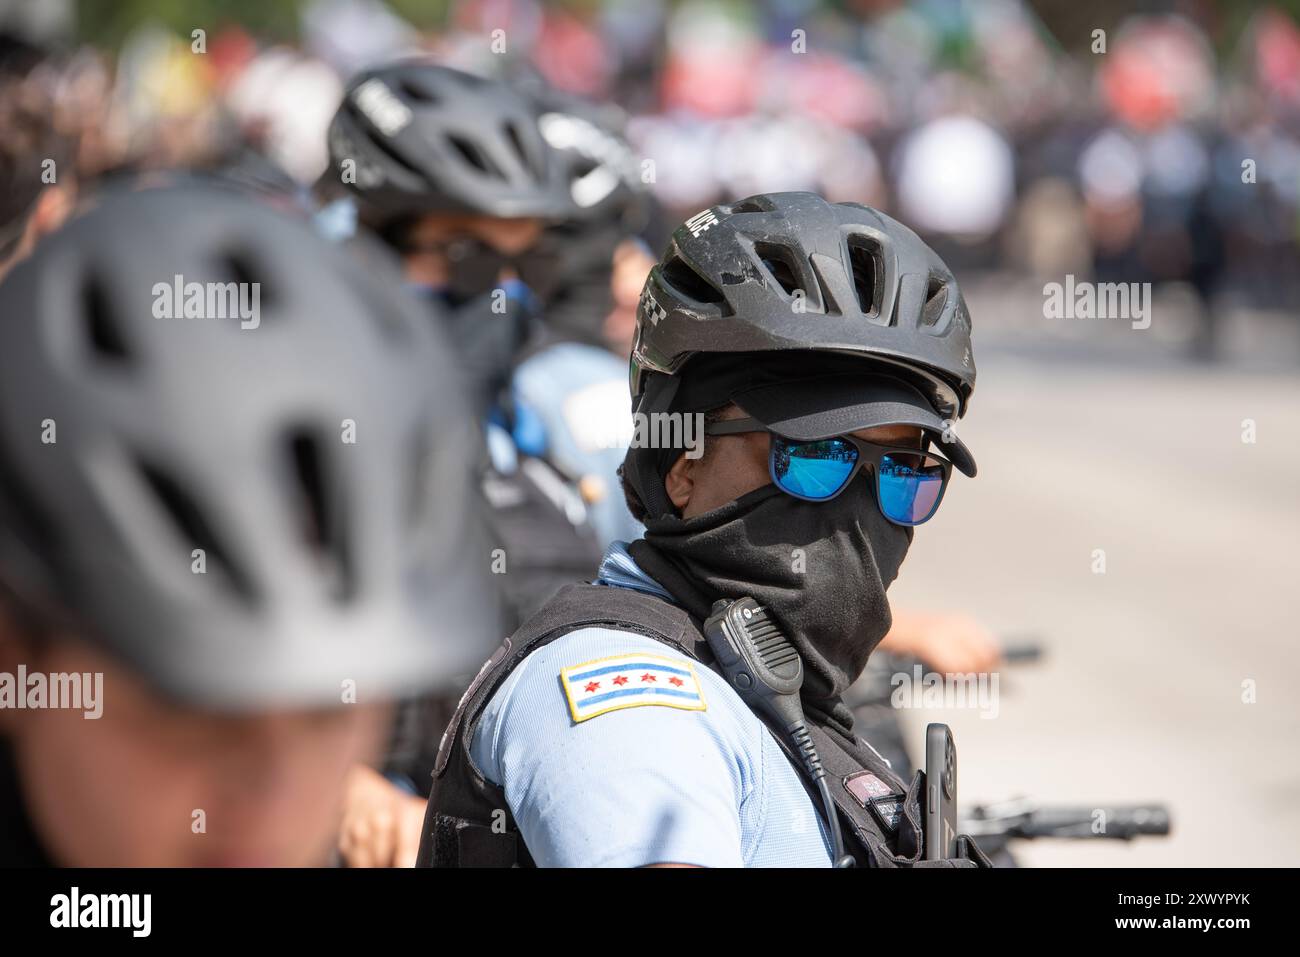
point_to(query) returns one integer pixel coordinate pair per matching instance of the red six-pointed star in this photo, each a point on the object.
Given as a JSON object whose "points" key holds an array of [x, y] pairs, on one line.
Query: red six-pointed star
{"points": [[676, 682], [648, 677], [592, 685], [621, 680]]}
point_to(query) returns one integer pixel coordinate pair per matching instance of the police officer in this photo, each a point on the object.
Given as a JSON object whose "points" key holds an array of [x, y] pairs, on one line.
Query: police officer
{"points": [[455, 173], [251, 527], [828, 350]]}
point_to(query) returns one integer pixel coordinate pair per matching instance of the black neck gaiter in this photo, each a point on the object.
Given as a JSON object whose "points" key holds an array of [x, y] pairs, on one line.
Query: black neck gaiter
{"points": [[487, 337], [819, 568], [486, 344]]}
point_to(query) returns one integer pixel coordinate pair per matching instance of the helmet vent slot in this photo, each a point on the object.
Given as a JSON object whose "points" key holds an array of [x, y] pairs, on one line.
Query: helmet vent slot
{"points": [[689, 284], [750, 206], [517, 142], [471, 81], [320, 514], [474, 156], [417, 92], [779, 262], [102, 330], [864, 260], [583, 166], [936, 297], [188, 520], [237, 266], [384, 145]]}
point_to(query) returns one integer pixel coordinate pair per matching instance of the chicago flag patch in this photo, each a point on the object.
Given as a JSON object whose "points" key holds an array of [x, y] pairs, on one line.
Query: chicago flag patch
{"points": [[631, 681]]}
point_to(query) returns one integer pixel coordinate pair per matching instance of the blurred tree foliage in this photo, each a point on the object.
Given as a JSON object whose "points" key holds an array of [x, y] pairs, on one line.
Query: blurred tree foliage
{"points": [[107, 22]]}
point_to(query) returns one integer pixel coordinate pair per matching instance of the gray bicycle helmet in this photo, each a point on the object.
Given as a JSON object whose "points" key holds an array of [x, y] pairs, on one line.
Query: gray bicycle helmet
{"points": [[326, 561], [427, 138], [792, 271]]}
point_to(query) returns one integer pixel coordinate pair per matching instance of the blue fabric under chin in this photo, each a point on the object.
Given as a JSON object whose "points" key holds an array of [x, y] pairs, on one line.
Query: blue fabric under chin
{"points": [[428, 292], [517, 290], [529, 430], [337, 221]]}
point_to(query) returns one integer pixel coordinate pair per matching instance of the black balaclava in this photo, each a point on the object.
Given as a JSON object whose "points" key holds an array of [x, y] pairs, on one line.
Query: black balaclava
{"points": [[821, 570], [488, 331]]}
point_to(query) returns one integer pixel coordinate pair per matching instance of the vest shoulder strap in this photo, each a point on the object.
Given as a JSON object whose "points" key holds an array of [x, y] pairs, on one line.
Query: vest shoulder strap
{"points": [[467, 822]]}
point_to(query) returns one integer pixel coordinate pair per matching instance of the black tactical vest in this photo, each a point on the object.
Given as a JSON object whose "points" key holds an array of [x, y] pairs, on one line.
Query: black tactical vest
{"points": [[468, 823], [546, 547]]}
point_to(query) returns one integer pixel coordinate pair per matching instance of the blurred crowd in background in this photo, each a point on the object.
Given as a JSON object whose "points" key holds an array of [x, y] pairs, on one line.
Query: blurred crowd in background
{"points": [[1013, 136], [1026, 142]]}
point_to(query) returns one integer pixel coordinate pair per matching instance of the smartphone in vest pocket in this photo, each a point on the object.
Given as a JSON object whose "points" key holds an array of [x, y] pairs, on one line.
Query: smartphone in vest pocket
{"points": [[940, 793]]}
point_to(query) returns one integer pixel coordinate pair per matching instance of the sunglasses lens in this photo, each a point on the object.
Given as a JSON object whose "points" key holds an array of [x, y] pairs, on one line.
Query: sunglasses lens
{"points": [[910, 485], [815, 470]]}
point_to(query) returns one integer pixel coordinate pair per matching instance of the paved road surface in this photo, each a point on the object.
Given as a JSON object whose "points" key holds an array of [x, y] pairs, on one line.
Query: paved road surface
{"points": [[1116, 447]]}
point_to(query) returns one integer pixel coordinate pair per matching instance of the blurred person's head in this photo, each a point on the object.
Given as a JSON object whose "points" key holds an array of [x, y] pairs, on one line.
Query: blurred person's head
{"points": [[451, 170], [38, 182], [431, 154], [1160, 70], [633, 261], [155, 782], [1111, 171], [234, 468], [282, 102], [18, 55], [956, 177]]}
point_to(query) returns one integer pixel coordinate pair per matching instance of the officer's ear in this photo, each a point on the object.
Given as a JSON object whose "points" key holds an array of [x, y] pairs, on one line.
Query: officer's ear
{"points": [[679, 483]]}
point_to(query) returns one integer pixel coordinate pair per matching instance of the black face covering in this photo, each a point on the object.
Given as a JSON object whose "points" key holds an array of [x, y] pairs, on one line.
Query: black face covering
{"points": [[820, 569], [487, 342]]}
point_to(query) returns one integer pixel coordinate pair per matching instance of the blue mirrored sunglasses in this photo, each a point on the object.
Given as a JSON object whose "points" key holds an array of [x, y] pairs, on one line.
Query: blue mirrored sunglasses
{"points": [[909, 482]]}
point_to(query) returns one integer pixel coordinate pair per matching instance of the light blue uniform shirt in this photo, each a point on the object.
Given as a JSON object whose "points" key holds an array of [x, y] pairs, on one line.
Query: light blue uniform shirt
{"points": [[578, 396], [647, 784]]}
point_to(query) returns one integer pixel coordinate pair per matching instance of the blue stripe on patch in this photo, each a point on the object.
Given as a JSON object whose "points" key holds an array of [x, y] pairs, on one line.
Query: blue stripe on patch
{"points": [[624, 692], [609, 669]]}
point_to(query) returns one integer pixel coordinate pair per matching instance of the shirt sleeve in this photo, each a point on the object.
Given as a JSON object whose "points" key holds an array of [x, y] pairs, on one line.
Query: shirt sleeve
{"points": [[625, 788]]}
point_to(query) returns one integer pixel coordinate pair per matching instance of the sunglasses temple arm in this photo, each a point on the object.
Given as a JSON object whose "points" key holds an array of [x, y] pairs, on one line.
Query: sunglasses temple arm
{"points": [[734, 426]]}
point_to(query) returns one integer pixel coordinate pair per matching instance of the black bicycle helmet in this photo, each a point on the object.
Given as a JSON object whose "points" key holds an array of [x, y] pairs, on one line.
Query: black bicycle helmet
{"points": [[793, 271], [610, 203], [429, 138], [326, 560], [603, 172]]}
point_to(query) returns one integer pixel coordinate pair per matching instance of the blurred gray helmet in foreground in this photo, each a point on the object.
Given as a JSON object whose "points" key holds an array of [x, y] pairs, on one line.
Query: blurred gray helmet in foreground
{"points": [[314, 447]]}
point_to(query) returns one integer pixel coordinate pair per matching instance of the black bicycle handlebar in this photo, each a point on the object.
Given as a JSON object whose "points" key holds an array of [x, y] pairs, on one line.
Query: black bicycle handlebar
{"points": [[1113, 822]]}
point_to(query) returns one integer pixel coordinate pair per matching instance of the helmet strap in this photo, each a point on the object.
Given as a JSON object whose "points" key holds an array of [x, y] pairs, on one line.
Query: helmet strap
{"points": [[642, 464]]}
